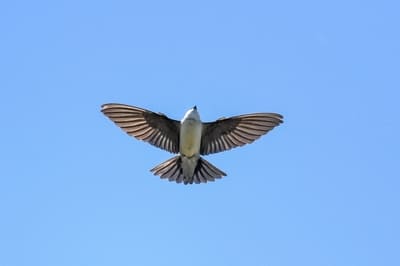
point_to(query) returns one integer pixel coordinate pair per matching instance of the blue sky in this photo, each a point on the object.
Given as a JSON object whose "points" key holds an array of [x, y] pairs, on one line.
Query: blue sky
{"points": [[321, 189]]}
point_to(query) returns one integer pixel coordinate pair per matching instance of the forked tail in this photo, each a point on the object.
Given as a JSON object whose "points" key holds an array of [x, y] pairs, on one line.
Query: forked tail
{"points": [[172, 170]]}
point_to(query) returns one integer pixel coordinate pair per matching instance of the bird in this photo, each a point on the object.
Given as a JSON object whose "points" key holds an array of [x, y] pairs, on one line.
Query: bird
{"points": [[190, 138]]}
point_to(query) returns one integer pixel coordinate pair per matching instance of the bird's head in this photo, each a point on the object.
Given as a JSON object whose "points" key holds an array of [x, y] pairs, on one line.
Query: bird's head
{"points": [[192, 114]]}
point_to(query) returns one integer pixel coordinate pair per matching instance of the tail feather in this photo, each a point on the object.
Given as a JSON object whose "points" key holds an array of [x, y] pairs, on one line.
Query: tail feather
{"points": [[172, 170], [205, 171], [169, 169]]}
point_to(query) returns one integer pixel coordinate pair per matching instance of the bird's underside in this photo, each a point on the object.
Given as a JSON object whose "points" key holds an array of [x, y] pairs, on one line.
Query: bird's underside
{"points": [[168, 134]]}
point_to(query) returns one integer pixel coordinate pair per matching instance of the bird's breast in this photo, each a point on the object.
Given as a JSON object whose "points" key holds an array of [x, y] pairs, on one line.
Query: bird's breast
{"points": [[190, 138]]}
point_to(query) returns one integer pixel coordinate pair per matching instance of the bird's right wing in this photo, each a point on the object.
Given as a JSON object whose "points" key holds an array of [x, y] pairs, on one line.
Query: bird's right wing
{"points": [[228, 133], [157, 129]]}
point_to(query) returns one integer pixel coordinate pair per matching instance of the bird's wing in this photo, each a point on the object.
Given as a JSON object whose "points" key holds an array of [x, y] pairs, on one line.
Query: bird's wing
{"points": [[228, 133], [157, 129]]}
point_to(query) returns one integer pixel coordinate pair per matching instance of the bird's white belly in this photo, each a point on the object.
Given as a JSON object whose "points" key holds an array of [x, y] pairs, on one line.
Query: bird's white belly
{"points": [[190, 138]]}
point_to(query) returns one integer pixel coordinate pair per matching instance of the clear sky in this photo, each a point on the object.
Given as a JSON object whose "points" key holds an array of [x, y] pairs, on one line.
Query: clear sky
{"points": [[321, 189]]}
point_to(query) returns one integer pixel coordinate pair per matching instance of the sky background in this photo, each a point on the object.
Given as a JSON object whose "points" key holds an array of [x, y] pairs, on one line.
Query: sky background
{"points": [[321, 189]]}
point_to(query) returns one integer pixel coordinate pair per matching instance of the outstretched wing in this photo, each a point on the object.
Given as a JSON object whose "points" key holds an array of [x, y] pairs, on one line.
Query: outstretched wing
{"points": [[228, 133], [157, 129]]}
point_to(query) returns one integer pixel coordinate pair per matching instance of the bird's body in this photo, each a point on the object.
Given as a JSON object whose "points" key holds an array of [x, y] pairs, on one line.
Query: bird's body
{"points": [[189, 142], [190, 138], [190, 134]]}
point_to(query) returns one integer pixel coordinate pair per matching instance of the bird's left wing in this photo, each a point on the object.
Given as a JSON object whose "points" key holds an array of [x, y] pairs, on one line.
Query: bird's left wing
{"points": [[157, 129], [228, 133]]}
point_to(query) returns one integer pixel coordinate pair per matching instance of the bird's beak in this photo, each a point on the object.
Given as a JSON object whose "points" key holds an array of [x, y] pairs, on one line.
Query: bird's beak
{"points": [[195, 107]]}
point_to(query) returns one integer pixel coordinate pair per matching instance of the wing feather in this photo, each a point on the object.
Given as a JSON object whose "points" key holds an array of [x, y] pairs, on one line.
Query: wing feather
{"points": [[228, 133], [156, 129]]}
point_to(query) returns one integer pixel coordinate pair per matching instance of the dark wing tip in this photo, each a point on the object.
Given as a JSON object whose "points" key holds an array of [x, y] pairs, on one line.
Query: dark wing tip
{"points": [[113, 105], [109, 105], [275, 115], [276, 118], [279, 116], [104, 106]]}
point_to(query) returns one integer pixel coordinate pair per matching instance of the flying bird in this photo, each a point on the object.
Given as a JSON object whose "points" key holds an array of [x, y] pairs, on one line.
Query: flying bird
{"points": [[190, 138]]}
